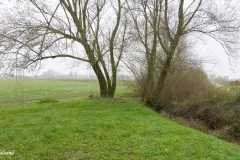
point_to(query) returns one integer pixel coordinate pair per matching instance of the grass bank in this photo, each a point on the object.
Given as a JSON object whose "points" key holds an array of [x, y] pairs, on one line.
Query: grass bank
{"points": [[100, 129]]}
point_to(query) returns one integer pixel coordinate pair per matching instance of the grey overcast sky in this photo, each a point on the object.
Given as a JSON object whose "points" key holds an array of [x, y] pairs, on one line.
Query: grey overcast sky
{"points": [[217, 62]]}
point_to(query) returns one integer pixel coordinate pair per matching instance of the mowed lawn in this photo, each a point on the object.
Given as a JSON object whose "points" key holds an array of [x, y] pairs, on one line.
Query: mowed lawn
{"points": [[82, 128]]}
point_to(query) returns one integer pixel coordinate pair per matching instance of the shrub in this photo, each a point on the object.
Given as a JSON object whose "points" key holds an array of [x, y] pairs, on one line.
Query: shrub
{"points": [[47, 100], [214, 117], [189, 86], [235, 130], [235, 83], [238, 97], [222, 133], [219, 95], [234, 123], [219, 110]]}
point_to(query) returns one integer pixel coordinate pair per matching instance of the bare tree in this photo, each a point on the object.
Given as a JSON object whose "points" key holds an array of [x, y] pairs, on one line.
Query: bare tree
{"points": [[82, 30], [161, 25]]}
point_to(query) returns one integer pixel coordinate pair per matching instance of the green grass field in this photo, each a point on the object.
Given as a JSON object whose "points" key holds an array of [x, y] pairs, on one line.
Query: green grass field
{"points": [[76, 127], [15, 93]]}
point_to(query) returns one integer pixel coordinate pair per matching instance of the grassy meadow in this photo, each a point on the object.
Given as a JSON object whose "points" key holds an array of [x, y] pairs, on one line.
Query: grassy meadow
{"points": [[72, 126], [21, 92]]}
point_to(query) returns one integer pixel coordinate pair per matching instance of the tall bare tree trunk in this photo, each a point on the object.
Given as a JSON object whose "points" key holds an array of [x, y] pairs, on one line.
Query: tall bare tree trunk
{"points": [[112, 89], [149, 84], [101, 80], [162, 78]]}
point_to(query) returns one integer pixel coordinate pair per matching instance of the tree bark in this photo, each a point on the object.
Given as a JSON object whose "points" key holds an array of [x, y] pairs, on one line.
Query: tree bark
{"points": [[149, 84], [162, 78], [112, 89], [101, 80], [106, 90]]}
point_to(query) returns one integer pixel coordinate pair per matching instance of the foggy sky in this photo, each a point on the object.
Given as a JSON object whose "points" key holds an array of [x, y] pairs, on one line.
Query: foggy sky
{"points": [[216, 61]]}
